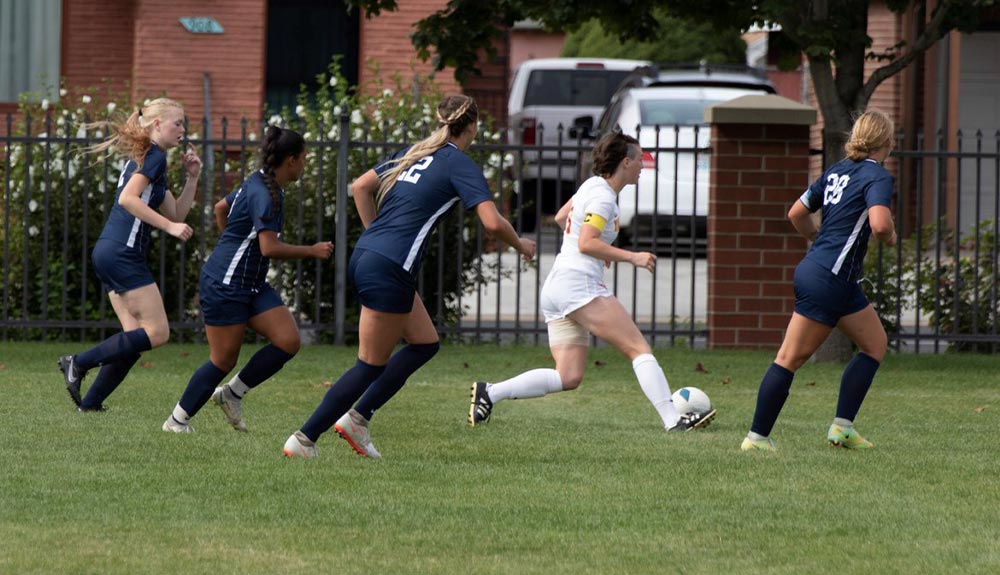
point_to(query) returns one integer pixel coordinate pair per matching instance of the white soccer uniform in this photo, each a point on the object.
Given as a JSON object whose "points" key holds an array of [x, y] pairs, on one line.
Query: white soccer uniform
{"points": [[576, 278]]}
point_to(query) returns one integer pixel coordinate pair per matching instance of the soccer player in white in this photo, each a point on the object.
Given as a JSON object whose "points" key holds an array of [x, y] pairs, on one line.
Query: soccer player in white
{"points": [[576, 303]]}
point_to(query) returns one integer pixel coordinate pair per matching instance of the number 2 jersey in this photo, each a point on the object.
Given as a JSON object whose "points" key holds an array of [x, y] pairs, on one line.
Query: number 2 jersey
{"points": [[421, 195], [844, 193]]}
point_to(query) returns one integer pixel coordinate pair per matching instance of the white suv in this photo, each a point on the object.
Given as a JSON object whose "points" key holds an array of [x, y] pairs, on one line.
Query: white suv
{"points": [[546, 94], [665, 111]]}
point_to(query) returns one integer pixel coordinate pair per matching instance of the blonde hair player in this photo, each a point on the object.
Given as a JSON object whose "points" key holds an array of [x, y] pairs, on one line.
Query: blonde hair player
{"points": [[855, 195], [142, 203], [577, 304], [399, 203]]}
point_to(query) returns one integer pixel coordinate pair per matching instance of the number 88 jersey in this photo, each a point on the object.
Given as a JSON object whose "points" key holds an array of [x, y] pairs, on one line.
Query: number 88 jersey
{"points": [[422, 194], [844, 193]]}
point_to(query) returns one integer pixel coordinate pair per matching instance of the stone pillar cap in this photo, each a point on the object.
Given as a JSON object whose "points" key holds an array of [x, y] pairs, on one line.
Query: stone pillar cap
{"points": [[761, 109]]}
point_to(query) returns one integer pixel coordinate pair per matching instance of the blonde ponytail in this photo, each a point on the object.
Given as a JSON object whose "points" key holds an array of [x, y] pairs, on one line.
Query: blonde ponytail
{"points": [[872, 132], [455, 114], [130, 135]]}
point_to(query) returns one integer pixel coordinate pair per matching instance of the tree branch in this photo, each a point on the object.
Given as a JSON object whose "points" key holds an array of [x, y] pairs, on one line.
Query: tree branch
{"points": [[934, 31]]}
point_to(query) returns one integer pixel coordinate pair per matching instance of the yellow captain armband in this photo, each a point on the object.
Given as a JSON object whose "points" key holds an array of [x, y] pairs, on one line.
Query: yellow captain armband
{"points": [[595, 220]]}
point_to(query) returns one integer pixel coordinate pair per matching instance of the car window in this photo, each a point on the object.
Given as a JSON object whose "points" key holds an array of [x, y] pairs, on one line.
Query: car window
{"points": [[674, 112], [572, 87], [610, 115]]}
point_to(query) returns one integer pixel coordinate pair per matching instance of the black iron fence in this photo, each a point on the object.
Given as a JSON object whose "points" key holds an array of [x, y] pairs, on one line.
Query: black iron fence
{"points": [[936, 290], [55, 201]]}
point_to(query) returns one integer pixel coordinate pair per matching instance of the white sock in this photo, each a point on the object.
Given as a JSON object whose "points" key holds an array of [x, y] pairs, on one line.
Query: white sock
{"points": [[654, 385], [845, 423], [755, 436], [534, 383], [237, 386], [180, 415]]}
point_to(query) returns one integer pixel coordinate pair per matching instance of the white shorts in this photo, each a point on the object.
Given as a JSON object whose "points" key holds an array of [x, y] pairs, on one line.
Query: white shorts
{"points": [[566, 291]]}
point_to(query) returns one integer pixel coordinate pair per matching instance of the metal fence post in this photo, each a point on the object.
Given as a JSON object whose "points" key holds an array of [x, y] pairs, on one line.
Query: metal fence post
{"points": [[340, 234]]}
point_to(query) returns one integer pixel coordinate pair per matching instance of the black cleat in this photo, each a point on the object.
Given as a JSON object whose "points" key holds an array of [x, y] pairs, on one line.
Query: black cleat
{"points": [[693, 420], [481, 406], [72, 377], [96, 409]]}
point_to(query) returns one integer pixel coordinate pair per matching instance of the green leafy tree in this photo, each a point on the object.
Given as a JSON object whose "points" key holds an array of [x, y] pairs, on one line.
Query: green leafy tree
{"points": [[833, 36], [679, 42]]}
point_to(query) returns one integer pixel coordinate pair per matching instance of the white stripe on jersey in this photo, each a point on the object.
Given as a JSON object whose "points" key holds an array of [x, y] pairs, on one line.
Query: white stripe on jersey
{"points": [[426, 229], [238, 256], [850, 242], [137, 223]]}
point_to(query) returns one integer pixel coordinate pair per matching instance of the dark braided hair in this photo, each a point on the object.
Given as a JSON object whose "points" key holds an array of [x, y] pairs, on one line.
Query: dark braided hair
{"points": [[278, 144]]}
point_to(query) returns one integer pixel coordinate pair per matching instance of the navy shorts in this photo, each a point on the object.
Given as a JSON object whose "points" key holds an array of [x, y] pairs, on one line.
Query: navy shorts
{"points": [[824, 297], [120, 267], [225, 305], [380, 283]]}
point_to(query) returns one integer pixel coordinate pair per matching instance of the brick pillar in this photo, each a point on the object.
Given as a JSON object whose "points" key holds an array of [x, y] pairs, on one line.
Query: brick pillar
{"points": [[760, 165]]}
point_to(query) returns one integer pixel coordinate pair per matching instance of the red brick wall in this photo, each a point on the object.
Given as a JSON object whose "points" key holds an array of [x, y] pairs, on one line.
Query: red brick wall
{"points": [[170, 59], [757, 172], [386, 39], [97, 42]]}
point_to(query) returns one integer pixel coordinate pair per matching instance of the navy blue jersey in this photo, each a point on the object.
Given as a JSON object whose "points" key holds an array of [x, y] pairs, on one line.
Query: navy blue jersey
{"points": [[236, 260], [421, 195], [845, 192], [123, 227]]}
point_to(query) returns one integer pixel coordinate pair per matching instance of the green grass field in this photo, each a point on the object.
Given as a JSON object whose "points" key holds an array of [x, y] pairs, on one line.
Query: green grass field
{"points": [[579, 482]]}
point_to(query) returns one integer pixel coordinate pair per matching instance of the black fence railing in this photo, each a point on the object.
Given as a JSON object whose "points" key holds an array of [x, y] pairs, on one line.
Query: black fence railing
{"points": [[936, 290], [55, 200]]}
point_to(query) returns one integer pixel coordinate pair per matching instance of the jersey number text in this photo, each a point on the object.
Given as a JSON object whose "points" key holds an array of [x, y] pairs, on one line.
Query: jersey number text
{"points": [[413, 174], [834, 188]]}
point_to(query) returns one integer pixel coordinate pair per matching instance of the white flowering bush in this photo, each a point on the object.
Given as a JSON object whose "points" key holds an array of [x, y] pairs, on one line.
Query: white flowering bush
{"points": [[58, 202], [59, 199], [386, 117]]}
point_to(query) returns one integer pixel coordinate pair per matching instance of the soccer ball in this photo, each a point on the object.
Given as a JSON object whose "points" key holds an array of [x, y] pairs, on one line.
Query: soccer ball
{"points": [[691, 400]]}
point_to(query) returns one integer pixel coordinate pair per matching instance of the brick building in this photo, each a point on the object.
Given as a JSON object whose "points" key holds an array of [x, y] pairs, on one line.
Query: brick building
{"points": [[260, 52]]}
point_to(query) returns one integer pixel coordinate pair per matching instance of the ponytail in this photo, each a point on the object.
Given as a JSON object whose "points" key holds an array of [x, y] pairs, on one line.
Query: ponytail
{"points": [[277, 145]]}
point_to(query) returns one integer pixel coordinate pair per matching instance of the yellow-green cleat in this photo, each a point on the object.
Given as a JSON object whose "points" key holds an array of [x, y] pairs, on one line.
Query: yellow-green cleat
{"points": [[847, 437], [758, 445]]}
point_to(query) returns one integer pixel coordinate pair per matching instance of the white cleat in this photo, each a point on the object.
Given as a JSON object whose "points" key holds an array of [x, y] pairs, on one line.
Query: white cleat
{"points": [[175, 426], [231, 406], [298, 445], [354, 429]]}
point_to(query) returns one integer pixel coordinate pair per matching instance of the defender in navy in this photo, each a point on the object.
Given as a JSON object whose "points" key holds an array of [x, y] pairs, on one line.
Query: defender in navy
{"points": [[855, 196], [233, 287], [142, 202], [399, 203]]}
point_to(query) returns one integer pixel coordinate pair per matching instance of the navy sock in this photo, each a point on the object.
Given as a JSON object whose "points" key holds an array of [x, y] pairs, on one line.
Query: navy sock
{"points": [[107, 381], [200, 387], [122, 344], [340, 397], [265, 363], [401, 366], [854, 384], [771, 398]]}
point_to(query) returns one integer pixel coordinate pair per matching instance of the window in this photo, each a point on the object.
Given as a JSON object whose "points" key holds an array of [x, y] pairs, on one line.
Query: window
{"points": [[302, 37], [674, 112], [581, 87], [29, 47]]}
